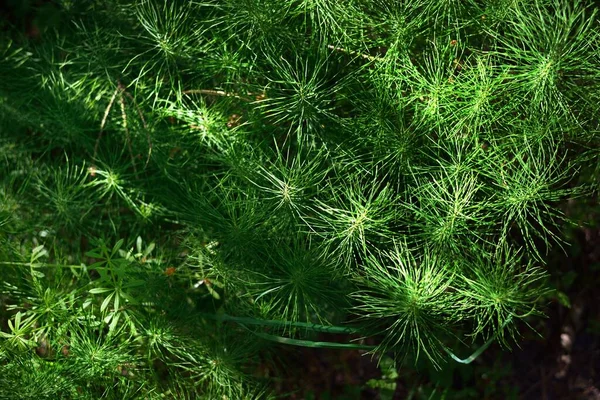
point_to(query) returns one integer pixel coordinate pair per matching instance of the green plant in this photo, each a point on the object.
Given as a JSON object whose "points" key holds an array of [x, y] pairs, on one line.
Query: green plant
{"points": [[186, 185]]}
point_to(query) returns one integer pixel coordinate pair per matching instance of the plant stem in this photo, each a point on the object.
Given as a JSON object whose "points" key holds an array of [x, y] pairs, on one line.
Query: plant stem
{"points": [[27, 264], [310, 343], [263, 322], [480, 350]]}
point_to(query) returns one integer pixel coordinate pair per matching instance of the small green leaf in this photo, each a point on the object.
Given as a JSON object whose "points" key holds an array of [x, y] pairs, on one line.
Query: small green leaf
{"points": [[217, 284], [213, 292], [107, 300], [93, 253], [87, 303], [114, 322], [37, 249], [37, 253], [6, 335], [117, 246], [37, 274], [100, 290], [387, 365], [149, 249], [117, 301]]}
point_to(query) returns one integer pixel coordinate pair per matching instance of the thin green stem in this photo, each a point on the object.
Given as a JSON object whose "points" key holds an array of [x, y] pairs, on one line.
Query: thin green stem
{"points": [[480, 350], [263, 322], [242, 321], [310, 343], [37, 265]]}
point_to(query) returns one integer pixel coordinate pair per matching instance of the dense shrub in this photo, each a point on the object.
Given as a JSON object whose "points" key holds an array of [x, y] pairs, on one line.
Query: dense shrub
{"points": [[186, 185]]}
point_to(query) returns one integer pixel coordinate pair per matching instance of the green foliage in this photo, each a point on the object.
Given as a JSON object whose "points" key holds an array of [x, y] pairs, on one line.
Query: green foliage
{"points": [[185, 185]]}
